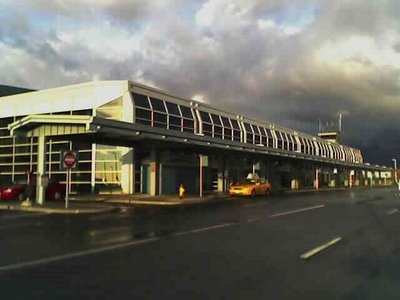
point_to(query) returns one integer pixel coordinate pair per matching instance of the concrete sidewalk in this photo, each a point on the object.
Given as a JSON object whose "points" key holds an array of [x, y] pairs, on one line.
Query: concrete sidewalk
{"points": [[89, 204], [142, 199]]}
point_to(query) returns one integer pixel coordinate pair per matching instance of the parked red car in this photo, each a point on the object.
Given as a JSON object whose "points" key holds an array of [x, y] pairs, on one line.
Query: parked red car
{"points": [[21, 190]]}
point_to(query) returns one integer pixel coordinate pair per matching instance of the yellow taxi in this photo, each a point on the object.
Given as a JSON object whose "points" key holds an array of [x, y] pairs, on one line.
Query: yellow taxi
{"points": [[250, 187]]}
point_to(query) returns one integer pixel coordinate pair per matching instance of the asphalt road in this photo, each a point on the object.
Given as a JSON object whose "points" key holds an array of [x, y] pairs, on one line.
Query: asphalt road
{"points": [[330, 245]]}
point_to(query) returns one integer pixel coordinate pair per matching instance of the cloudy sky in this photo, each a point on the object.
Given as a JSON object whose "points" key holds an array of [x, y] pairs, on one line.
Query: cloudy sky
{"points": [[287, 62]]}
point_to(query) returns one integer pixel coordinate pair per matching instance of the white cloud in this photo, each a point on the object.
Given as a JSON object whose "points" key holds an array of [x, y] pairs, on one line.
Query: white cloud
{"points": [[223, 15], [271, 25], [358, 48]]}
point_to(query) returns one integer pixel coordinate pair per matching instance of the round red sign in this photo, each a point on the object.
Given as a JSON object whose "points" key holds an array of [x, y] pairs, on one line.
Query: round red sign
{"points": [[69, 159]]}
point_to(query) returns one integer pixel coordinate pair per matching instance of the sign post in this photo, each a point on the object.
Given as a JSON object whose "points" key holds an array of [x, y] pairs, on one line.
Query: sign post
{"points": [[69, 161]]}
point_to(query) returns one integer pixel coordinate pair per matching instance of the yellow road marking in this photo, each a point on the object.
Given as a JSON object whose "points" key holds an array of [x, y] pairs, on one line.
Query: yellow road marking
{"points": [[320, 248]]}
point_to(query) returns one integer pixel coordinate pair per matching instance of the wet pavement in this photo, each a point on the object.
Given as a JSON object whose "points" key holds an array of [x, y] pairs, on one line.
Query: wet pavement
{"points": [[240, 249]]}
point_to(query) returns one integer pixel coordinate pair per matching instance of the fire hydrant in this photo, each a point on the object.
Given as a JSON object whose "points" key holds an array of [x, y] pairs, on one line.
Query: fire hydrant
{"points": [[181, 191]]}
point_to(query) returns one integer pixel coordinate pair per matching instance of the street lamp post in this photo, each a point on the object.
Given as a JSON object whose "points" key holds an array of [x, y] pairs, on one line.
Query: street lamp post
{"points": [[395, 169]]}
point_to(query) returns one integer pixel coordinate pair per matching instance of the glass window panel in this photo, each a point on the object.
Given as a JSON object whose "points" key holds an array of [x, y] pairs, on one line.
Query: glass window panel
{"points": [[6, 160], [205, 117], [186, 112], [312, 147], [290, 140], [143, 114], [189, 130], [218, 130], [235, 124], [236, 135], [216, 120], [173, 109], [278, 135], [284, 137], [247, 127], [225, 122], [6, 150], [207, 128], [84, 155], [254, 128], [4, 133], [262, 131], [157, 104], [22, 149], [5, 121], [6, 168], [82, 112], [249, 138], [6, 141], [143, 122], [303, 145], [174, 127], [279, 139], [160, 117], [188, 124], [22, 167], [176, 121], [141, 100], [227, 133], [159, 124], [22, 140]]}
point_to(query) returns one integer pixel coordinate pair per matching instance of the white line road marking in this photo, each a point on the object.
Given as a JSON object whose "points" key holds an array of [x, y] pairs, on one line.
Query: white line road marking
{"points": [[205, 229], [20, 225], [392, 211], [253, 220], [320, 248], [57, 258], [295, 211]]}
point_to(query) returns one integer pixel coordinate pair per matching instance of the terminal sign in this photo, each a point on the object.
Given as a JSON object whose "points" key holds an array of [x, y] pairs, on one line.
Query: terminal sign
{"points": [[69, 159]]}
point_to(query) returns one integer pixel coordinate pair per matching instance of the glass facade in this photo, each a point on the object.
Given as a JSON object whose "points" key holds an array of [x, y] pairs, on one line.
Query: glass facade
{"points": [[167, 114], [108, 168], [19, 154]]}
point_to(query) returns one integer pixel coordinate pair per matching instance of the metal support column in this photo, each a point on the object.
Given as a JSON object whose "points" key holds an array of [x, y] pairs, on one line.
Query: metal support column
{"points": [[41, 168]]}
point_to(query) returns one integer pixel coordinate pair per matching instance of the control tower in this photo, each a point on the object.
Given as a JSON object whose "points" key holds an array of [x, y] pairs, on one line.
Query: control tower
{"points": [[331, 130]]}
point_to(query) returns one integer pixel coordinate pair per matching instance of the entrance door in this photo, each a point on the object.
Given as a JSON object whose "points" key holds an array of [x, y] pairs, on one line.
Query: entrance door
{"points": [[173, 176], [145, 179]]}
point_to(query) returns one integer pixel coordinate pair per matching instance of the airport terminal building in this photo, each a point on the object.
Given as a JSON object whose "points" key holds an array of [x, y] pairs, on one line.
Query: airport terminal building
{"points": [[131, 138]]}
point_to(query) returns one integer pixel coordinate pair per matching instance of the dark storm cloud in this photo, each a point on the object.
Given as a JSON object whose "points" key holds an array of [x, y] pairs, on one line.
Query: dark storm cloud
{"points": [[288, 62]]}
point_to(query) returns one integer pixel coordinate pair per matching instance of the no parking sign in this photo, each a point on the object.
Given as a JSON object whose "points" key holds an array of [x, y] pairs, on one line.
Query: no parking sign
{"points": [[69, 160]]}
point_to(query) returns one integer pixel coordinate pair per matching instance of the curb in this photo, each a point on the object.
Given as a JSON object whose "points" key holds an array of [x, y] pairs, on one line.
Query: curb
{"points": [[169, 203], [75, 210]]}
